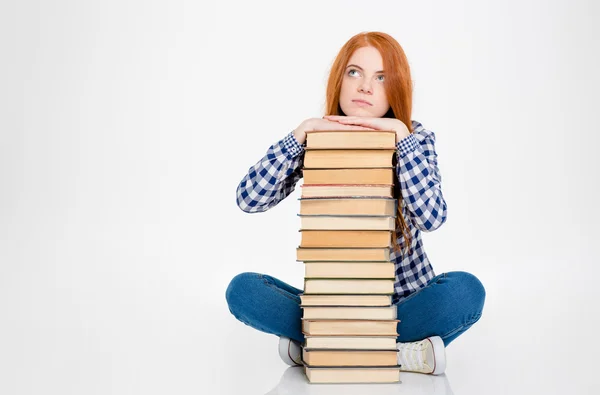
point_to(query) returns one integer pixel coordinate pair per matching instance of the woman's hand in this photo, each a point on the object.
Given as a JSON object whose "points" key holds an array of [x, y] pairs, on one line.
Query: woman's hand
{"points": [[375, 123], [323, 124]]}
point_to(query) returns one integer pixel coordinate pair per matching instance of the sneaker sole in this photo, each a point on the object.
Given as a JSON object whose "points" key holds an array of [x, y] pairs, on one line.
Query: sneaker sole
{"points": [[284, 351], [439, 354]]}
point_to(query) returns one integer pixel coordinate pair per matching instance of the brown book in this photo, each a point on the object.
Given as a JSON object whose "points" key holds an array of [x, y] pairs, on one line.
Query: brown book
{"points": [[345, 300], [346, 238], [348, 190], [333, 222], [348, 286], [353, 139], [351, 342], [340, 159], [352, 375], [350, 313], [350, 357], [348, 206], [349, 176], [350, 327], [349, 270], [343, 254]]}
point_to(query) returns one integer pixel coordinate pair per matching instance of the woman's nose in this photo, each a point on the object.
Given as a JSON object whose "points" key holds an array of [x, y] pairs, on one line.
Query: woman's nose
{"points": [[364, 88]]}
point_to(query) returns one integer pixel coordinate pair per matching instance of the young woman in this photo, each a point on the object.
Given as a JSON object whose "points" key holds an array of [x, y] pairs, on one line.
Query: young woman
{"points": [[369, 88]]}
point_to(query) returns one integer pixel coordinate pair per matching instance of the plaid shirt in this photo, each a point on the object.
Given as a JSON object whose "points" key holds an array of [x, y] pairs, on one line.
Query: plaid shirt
{"points": [[275, 176]]}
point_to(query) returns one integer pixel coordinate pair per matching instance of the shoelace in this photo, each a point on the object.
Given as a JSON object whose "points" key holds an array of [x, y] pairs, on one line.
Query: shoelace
{"points": [[412, 355]]}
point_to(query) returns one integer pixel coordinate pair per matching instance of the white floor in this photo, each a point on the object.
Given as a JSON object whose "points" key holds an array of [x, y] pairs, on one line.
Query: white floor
{"points": [[293, 381]]}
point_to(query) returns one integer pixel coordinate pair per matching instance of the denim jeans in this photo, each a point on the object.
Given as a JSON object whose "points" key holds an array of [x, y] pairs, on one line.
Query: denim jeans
{"points": [[447, 306]]}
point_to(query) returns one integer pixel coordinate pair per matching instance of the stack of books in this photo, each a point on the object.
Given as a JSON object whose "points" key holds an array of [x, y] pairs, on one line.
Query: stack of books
{"points": [[347, 221]]}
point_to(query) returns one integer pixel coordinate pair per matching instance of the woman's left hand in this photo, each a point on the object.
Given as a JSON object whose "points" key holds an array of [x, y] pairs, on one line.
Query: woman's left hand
{"points": [[376, 123]]}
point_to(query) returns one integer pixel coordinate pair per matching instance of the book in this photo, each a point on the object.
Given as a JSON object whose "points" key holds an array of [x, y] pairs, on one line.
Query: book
{"points": [[345, 238], [349, 270], [347, 224], [349, 176], [343, 254], [351, 342], [350, 313], [350, 327], [352, 375], [375, 206], [348, 190], [348, 286], [345, 139], [329, 222], [356, 158], [350, 357], [345, 300]]}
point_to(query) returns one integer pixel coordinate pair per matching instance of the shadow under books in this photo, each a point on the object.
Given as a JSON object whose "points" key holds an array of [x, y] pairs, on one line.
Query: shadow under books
{"points": [[294, 381]]}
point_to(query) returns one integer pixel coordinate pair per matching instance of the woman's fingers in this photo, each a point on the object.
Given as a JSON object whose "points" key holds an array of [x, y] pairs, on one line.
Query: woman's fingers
{"points": [[352, 120], [359, 122], [334, 125], [345, 126], [356, 127]]}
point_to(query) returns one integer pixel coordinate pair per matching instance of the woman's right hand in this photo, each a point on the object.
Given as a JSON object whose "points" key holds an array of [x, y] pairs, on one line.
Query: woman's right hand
{"points": [[322, 124]]}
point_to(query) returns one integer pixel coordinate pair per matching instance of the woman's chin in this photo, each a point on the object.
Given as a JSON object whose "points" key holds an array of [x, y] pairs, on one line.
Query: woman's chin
{"points": [[359, 112]]}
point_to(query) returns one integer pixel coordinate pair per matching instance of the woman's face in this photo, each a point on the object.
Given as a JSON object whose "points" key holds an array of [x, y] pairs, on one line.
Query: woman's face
{"points": [[363, 81]]}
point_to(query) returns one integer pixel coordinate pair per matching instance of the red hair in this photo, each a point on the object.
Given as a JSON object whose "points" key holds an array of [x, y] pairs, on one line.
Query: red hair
{"points": [[398, 88]]}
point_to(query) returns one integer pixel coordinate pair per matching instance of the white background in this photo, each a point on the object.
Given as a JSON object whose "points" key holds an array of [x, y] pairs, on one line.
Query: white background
{"points": [[126, 126]]}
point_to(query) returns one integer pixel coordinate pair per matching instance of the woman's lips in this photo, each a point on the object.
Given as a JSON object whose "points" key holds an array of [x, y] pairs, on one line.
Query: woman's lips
{"points": [[362, 103]]}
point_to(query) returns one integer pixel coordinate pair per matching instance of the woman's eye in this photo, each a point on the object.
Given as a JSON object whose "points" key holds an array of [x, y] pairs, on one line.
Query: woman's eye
{"points": [[381, 77]]}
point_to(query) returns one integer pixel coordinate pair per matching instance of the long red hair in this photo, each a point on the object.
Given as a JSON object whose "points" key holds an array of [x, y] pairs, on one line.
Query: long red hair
{"points": [[398, 88]]}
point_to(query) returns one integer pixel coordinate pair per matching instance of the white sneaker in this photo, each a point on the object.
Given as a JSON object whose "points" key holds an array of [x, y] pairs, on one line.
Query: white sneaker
{"points": [[290, 351], [424, 356]]}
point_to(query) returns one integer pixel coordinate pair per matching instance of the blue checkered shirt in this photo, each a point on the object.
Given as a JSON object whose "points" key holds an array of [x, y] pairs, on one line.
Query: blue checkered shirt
{"points": [[274, 177]]}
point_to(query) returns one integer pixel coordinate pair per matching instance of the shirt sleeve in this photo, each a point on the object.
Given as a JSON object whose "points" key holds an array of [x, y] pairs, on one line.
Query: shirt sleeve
{"points": [[273, 177], [420, 180]]}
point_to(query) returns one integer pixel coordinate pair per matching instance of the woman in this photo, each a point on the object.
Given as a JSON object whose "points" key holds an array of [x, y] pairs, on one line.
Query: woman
{"points": [[369, 88]]}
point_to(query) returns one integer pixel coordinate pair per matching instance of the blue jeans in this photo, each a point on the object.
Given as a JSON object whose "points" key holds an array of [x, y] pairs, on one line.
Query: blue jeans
{"points": [[447, 306]]}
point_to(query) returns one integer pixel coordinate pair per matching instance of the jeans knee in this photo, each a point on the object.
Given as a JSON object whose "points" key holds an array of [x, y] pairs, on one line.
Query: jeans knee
{"points": [[471, 288], [237, 290]]}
